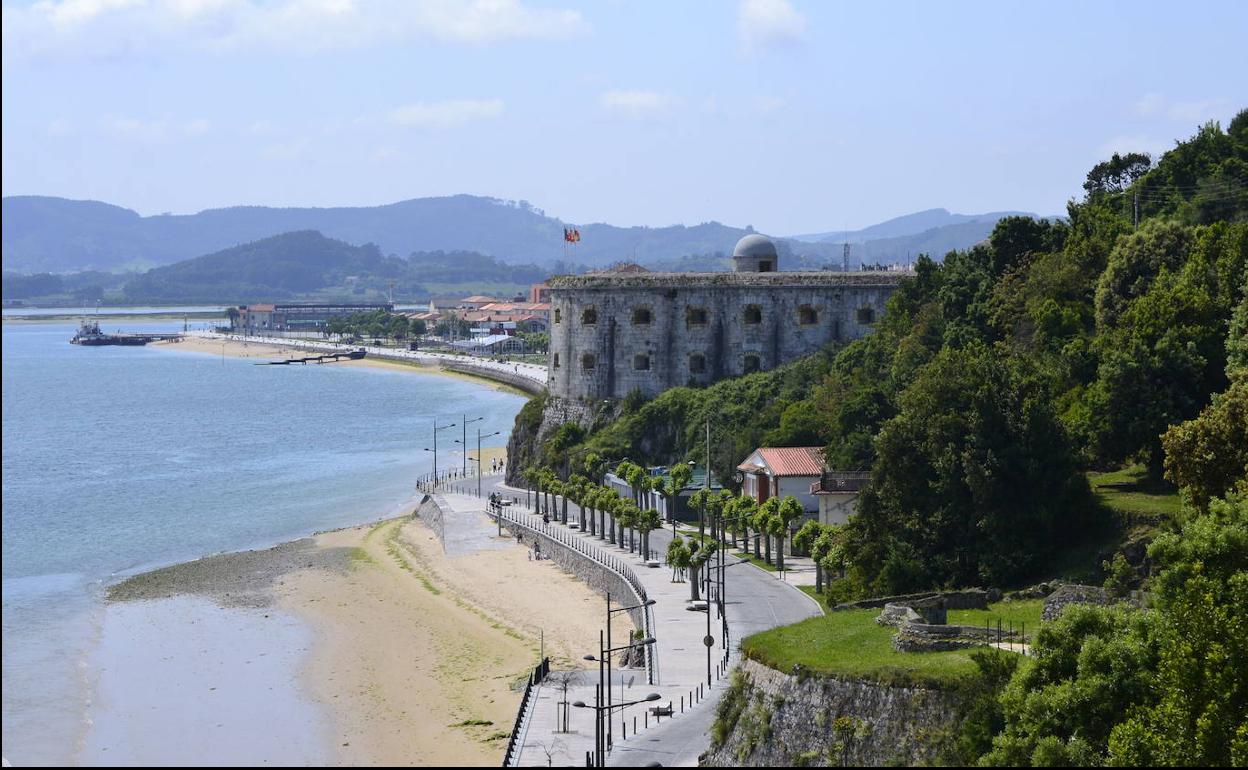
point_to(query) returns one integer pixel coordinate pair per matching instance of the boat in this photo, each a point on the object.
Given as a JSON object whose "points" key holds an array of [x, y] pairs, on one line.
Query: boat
{"points": [[89, 334]]}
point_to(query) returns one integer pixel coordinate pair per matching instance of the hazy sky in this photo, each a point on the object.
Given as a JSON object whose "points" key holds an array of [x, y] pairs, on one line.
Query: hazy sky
{"points": [[790, 116]]}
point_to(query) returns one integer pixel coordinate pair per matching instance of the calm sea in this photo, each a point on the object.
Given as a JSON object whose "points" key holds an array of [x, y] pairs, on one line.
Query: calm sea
{"points": [[117, 460]]}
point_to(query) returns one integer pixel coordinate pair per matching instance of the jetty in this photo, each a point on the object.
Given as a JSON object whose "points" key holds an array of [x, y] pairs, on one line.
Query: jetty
{"points": [[327, 358]]}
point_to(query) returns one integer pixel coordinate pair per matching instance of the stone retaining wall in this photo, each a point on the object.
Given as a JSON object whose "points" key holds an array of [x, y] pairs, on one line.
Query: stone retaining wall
{"points": [[514, 379], [793, 721], [429, 512]]}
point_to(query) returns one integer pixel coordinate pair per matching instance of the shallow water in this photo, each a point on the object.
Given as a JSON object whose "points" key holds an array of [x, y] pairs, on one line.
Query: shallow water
{"points": [[119, 459]]}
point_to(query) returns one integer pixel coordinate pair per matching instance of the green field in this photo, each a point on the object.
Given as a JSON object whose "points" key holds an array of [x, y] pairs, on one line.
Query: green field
{"points": [[1129, 491], [851, 643]]}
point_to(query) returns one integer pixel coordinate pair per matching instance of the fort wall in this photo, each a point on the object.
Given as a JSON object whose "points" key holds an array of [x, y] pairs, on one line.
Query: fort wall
{"points": [[611, 334]]}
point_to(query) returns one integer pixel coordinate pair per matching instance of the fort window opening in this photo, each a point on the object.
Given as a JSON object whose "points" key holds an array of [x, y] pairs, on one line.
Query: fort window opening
{"points": [[697, 363], [752, 364], [696, 316], [866, 315], [765, 266], [807, 315], [556, 360], [587, 362], [557, 315], [641, 363], [753, 314], [641, 316], [589, 316]]}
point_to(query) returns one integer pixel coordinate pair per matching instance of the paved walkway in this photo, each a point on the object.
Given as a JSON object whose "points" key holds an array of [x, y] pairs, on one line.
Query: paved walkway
{"points": [[756, 600], [534, 372]]}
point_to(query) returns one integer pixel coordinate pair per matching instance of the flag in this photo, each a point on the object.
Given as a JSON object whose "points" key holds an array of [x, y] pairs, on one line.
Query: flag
{"points": [[571, 235]]}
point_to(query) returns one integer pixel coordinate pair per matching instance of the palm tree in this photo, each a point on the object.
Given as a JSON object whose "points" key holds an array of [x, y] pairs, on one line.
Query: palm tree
{"points": [[648, 521], [746, 508], [805, 540], [790, 510], [678, 557], [762, 525], [698, 558]]}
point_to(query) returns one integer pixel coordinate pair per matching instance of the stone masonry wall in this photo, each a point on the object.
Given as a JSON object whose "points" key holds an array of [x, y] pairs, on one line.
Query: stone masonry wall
{"points": [[610, 336], [790, 721]]}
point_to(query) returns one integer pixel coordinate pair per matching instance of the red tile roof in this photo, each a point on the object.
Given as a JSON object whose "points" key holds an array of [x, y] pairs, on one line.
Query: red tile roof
{"points": [[789, 461]]}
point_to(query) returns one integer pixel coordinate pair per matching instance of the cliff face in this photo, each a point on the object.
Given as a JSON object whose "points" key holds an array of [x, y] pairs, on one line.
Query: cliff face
{"points": [[537, 422], [772, 719]]}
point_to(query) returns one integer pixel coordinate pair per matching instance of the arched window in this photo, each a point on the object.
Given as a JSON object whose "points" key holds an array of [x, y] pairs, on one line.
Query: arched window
{"points": [[641, 316], [753, 314], [587, 362], [752, 363], [589, 316], [641, 362], [556, 363], [866, 315], [696, 316], [807, 315], [697, 363]]}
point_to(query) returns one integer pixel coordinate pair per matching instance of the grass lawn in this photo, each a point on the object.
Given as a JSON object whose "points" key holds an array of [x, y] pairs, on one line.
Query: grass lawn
{"points": [[851, 643], [1130, 491]]}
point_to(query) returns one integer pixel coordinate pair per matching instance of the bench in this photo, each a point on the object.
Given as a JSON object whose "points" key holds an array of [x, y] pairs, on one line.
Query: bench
{"points": [[661, 711]]}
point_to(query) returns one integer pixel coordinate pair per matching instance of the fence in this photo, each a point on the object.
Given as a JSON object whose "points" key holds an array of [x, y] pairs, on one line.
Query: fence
{"points": [[536, 677], [596, 555]]}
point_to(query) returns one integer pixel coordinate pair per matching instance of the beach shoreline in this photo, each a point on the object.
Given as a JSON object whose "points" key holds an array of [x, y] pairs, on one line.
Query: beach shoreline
{"points": [[415, 656], [267, 351]]}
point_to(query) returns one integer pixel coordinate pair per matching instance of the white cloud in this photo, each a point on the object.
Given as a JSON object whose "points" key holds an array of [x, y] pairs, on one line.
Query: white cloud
{"points": [[197, 127], [1154, 105], [1126, 143], [764, 23], [121, 28], [446, 114], [60, 127], [767, 104], [636, 105], [136, 129]]}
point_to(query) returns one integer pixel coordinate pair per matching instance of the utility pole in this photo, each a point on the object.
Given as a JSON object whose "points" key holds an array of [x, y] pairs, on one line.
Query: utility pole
{"points": [[706, 484], [845, 256], [1135, 210]]}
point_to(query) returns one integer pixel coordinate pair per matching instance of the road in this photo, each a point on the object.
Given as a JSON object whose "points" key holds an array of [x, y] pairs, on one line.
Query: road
{"points": [[756, 601]]}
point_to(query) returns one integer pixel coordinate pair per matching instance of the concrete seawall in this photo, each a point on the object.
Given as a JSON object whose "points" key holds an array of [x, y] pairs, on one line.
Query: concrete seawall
{"points": [[517, 381]]}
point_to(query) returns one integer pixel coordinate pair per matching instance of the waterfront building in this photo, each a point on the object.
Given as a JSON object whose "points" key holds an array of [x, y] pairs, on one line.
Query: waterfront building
{"points": [[261, 318]]}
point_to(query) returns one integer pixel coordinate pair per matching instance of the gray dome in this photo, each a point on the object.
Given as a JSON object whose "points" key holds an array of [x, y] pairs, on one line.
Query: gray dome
{"points": [[755, 246]]}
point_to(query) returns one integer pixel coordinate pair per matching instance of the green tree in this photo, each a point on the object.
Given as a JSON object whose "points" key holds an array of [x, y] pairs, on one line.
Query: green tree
{"points": [[1207, 457], [678, 557], [975, 481], [789, 511]]}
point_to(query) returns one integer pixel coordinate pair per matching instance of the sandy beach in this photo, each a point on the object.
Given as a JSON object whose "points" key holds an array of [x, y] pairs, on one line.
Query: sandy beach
{"points": [[416, 656], [268, 352]]}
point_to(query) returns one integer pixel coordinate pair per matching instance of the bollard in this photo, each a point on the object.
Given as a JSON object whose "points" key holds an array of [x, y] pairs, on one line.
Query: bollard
{"points": [[635, 724], [682, 704]]}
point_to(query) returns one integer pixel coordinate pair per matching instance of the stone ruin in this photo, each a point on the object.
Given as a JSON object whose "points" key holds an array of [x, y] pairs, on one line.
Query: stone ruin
{"points": [[922, 623]]}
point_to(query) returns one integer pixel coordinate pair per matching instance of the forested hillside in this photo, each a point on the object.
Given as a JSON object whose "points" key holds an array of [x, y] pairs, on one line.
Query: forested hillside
{"points": [[307, 264], [996, 379], [993, 384]]}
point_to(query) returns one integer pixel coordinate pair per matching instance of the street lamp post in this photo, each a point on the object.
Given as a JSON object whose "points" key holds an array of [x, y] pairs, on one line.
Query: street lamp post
{"points": [[599, 759], [436, 428], [603, 737], [464, 425], [477, 459]]}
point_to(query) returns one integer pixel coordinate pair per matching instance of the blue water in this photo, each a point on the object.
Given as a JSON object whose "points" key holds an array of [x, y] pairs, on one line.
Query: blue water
{"points": [[117, 460]]}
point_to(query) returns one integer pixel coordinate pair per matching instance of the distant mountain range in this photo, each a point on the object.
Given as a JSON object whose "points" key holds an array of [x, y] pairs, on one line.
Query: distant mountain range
{"points": [[56, 235]]}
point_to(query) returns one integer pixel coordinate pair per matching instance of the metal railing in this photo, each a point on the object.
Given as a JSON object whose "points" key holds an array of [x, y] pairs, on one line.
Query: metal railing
{"points": [[593, 553], [536, 677]]}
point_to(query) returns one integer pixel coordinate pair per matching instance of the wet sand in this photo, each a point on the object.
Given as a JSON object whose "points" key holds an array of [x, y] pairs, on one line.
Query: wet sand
{"points": [[409, 656]]}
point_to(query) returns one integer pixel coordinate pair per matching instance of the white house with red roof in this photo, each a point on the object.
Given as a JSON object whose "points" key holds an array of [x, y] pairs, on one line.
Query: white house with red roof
{"points": [[802, 472]]}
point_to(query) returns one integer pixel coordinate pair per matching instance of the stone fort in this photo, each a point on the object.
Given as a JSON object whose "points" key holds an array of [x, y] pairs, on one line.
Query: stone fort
{"points": [[630, 329]]}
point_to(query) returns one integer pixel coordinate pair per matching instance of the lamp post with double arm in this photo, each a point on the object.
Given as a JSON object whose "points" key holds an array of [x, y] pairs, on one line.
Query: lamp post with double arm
{"points": [[437, 428], [602, 737]]}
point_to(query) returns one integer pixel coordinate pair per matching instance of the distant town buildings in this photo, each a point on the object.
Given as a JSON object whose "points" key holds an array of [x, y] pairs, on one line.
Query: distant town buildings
{"points": [[259, 318]]}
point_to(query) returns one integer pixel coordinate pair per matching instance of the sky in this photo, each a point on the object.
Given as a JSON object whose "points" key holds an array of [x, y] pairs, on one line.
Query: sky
{"points": [[793, 117]]}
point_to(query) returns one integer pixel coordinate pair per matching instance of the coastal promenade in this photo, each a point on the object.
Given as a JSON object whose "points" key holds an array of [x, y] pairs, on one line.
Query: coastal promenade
{"points": [[756, 601], [530, 378]]}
